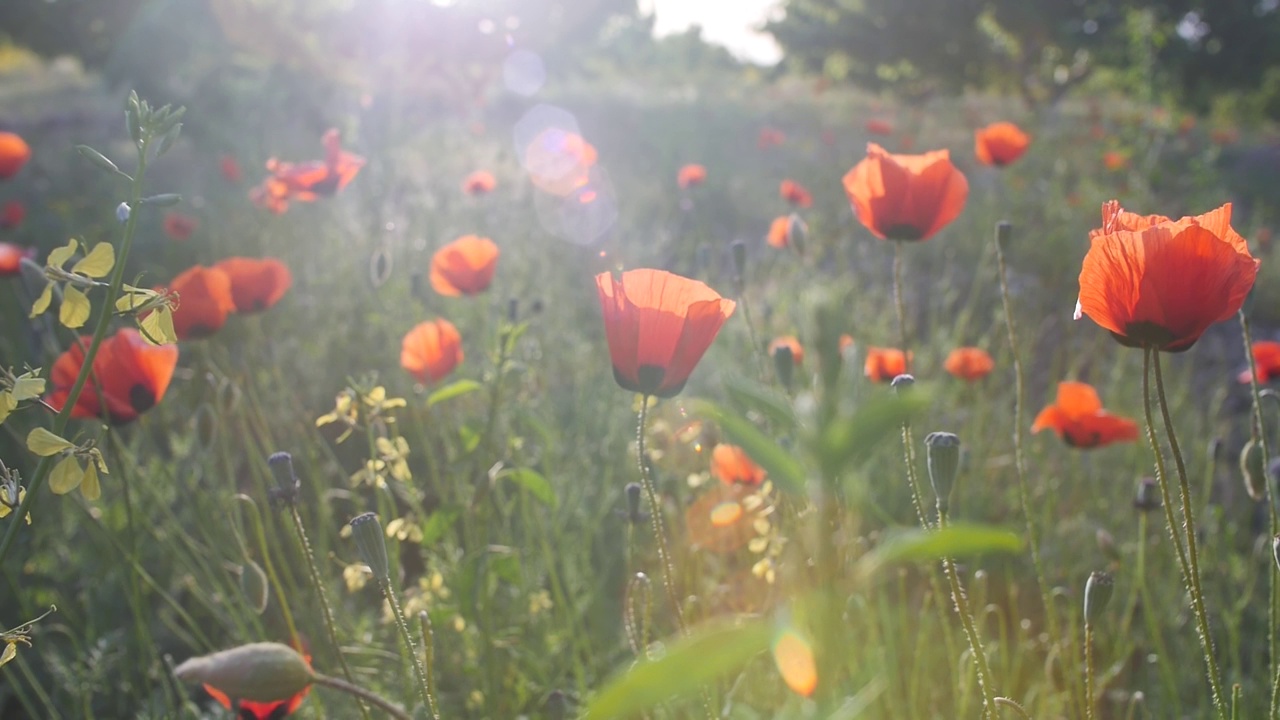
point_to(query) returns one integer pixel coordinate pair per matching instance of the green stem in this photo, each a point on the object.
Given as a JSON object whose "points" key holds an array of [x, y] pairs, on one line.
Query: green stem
{"points": [[970, 630], [424, 687], [86, 365], [428, 658], [362, 695], [1088, 671], [325, 611], [1193, 560], [899, 305], [1006, 702]]}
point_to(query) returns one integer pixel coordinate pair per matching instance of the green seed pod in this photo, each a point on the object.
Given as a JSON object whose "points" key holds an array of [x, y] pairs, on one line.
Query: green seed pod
{"points": [[262, 672], [253, 585], [1097, 593], [366, 529], [942, 454], [1253, 469]]}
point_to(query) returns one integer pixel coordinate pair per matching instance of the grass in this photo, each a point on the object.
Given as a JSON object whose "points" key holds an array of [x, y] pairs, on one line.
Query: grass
{"points": [[516, 540]]}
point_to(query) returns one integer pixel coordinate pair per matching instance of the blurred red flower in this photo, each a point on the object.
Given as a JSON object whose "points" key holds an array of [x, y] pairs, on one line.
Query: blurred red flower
{"points": [[11, 258], [1266, 355], [231, 171], [691, 175], [307, 181], [1078, 418], [770, 137], [480, 182], [431, 350], [12, 215], [779, 232], [14, 153], [1000, 143], [731, 464], [204, 302], [795, 193], [464, 266], [791, 343], [969, 363], [178, 226], [905, 197], [129, 374], [885, 364], [256, 283], [879, 126]]}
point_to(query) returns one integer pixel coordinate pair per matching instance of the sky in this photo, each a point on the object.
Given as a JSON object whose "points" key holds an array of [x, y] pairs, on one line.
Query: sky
{"points": [[724, 22]]}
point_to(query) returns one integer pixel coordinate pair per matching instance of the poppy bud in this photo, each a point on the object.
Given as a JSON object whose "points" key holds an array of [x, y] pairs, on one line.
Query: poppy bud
{"points": [[261, 672], [903, 383], [287, 483], [1145, 499], [1253, 469], [253, 585], [1004, 231], [634, 516], [366, 529], [739, 249], [783, 364], [1097, 593], [942, 455]]}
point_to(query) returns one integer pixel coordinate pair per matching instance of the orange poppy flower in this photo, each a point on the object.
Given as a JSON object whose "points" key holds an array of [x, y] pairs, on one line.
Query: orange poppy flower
{"points": [[878, 126], [178, 226], [254, 710], [464, 266], [792, 344], [559, 162], [1078, 418], [846, 343], [307, 181], [658, 325], [779, 232], [11, 258], [480, 182], [691, 175], [12, 215], [1114, 160], [431, 350], [230, 169], [256, 283], [905, 197], [969, 363], [1266, 355], [14, 153], [129, 374], [1155, 282], [731, 464], [1000, 143], [204, 301], [770, 137], [795, 193], [885, 364]]}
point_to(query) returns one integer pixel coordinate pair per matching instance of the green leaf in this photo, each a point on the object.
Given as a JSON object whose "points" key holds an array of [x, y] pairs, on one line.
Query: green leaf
{"points": [[953, 541], [44, 443], [850, 439], [535, 483], [66, 476], [98, 262], [470, 438], [750, 395], [505, 564], [162, 200], [75, 309], [100, 160], [438, 524], [170, 136], [453, 390], [688, 664], [784, 470]]}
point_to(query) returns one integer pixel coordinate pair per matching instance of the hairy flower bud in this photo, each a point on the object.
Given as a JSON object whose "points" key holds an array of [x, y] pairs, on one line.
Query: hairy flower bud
{"points": [[261, 672], [1097, 593], [942, 455], [366, 529]]}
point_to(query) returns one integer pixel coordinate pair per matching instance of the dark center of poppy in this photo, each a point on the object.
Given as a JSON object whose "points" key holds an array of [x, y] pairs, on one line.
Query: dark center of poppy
{"points": [[1146, 333], [903, 232], [258, 305], [1083, 440], [328, 186], [141, 399], [650, 378]]}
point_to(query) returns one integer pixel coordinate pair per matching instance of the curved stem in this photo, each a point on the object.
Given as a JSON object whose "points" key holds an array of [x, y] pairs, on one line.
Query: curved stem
{"points": [[970, 630], [1006, 702], [1193, 567], [374, 699]]}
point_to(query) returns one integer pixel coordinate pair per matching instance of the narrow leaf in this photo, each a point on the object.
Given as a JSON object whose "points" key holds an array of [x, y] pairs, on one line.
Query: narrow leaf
{"points": [[535, 483], [750, 395], [100, 160], [953, 541], [851, 439], [44, 443], [453, 390], [75, 309], [161, 200]]}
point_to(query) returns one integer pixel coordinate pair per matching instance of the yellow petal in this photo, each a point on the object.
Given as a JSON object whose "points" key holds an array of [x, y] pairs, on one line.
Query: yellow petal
{"points": [[7, 404], [75, 308], [157, 327], [98, 262], [27, 388], [66, 476], [10, 652], [44, 443], [58, 256], [42, 303], [90, 488]]}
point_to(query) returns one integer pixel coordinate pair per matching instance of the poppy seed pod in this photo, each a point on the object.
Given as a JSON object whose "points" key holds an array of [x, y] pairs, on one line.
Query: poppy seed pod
{"points": [[366, 529], [1253, 469], [1097, 593], [634, 516], [1004, 231], [261, 672], [1145, 498], [784, 365], [287, 483], [942, 455]]}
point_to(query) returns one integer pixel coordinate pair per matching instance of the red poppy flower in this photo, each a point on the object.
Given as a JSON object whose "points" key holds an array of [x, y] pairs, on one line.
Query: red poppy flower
{"points": [[792, 344], [905, 197], [795, 193], [691, 175], [256, 283], [464, 266], [770, 137], [559, 162], [1158, 283], [14, 153], [431, 350], [1266, 355], [1000, 143], [779, 232], [731, 464], [885, 364], [204, 301], [479, 182], [658, 325], [1078, 418], [12, 215], [178, 226], [253, 710], [969, 363], [11, 258], [307, 181], [129, 374], [878, 126], [231, 171], [1115, 160]]}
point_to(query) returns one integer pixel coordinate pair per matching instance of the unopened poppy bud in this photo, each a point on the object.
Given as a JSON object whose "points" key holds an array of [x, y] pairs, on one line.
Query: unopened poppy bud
{"points": [[287, 483], [634, 515], [366, 529], [1146, 498], [1097, 593], [1004, 231], [784, 365], [942, 455], [739, 250], [903, 382], [1107, 545], [253, 586], [1253, 469], [261, 672]]}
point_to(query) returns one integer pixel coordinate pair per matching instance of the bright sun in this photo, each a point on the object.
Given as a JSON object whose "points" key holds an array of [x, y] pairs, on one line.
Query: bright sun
{"points": [[731, 23]]}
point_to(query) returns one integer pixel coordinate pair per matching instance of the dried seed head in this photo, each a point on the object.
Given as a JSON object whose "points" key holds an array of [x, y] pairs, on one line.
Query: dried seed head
{"points": [[1147, 497]]}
